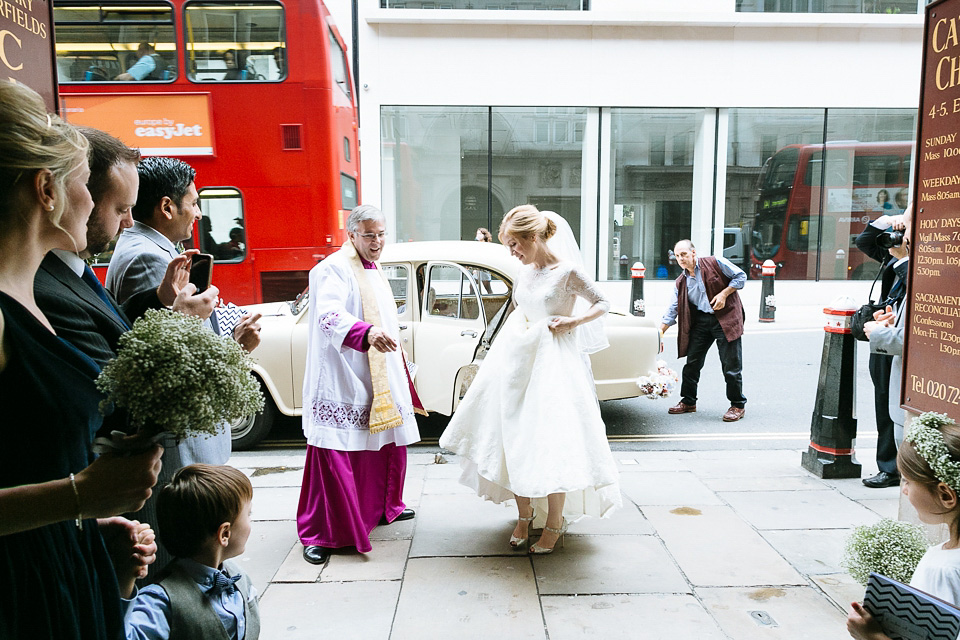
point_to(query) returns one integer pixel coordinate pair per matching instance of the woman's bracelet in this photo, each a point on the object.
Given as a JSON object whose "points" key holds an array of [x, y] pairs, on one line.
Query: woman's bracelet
{"points": [[76, 494]]}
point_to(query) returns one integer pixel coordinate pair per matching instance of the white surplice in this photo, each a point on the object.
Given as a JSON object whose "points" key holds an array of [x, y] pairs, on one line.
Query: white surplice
{"points": [[337, 389]]}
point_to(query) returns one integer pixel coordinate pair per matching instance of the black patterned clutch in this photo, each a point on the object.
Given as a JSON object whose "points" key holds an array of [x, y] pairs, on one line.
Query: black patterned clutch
{"points": [[906, 613]]}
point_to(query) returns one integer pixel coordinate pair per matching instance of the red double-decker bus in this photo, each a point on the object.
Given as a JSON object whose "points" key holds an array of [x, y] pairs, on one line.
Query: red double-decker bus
{"points": [[807, 204], [256, 95]]}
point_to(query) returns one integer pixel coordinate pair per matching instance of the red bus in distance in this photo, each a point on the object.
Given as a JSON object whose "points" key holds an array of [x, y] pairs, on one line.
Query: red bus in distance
{"points": [[805, 202], [256, 96]]}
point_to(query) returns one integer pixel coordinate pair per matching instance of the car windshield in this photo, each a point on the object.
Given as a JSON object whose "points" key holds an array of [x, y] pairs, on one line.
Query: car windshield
{"points": [[298, 305]]}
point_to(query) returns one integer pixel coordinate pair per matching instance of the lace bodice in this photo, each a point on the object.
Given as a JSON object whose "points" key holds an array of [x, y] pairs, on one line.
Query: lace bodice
{"points": [[552, 291]]}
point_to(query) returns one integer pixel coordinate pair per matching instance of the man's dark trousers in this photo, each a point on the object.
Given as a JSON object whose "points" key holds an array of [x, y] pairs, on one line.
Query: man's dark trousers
{"points": [[705, 329], [886, 444]]}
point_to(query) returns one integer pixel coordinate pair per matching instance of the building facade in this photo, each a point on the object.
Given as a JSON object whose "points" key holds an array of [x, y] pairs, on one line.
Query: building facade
{"points": [[757, 128]]}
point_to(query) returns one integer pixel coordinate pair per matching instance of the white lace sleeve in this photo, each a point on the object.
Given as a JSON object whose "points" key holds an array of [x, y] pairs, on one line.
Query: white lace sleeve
{"points": [[581, 285]]}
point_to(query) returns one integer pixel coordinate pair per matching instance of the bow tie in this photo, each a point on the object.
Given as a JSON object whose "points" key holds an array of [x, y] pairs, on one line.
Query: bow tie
{"points": [[222, 583]]}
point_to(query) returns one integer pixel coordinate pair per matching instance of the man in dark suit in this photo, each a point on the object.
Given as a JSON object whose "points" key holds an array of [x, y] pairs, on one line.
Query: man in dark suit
{"points": [[82, 311], [893, 287]]}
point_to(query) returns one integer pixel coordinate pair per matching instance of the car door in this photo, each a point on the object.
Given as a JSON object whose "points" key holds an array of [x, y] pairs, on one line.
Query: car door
{"points": [[451, 325]]}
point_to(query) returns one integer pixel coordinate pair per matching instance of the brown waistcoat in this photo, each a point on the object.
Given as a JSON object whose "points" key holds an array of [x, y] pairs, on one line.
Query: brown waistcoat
{"points": [[731, 317]]}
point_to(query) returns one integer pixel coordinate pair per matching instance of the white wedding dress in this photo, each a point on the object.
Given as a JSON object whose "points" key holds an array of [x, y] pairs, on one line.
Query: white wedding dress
{"points": [[530, 423]]}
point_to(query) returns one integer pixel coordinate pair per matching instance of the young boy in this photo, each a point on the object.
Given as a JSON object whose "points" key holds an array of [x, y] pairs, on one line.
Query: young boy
{"points": [[203, 517]]}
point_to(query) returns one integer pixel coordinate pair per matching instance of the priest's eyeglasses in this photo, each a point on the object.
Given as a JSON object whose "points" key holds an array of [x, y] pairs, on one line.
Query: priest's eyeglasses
{"points": [[373, 236]]}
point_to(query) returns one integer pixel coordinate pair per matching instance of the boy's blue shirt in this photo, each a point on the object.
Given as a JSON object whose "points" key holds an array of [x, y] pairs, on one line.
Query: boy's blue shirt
{"points": [[148, 614]]}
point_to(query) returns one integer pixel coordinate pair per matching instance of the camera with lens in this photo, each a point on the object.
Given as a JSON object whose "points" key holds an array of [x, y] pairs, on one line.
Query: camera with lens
{"points": [[889, 239]]}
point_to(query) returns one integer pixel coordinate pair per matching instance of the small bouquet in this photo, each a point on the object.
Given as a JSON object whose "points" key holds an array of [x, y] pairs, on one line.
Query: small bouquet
{"points": [[659, 385], [174, 376], [890, 547]]}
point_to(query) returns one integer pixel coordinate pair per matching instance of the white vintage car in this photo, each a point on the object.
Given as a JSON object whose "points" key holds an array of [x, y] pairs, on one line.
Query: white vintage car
{"points": [[452, 297]]}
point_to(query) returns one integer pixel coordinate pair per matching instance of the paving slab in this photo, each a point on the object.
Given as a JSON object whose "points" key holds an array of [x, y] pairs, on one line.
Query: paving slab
{"points": [[277, 477], [268, 545], [446, 485], [467, 598], [884, 508], [609, 564], [800, 613], [622, 616], [628, 520], [854, 489], [275, 503], [386, 561], [763, 483], [395, 530], [449, 470], [745, 465], [348, 610], [811, 552], [666, 488], [260, 460], [413, 485], [714, 547], [459, 525], [841, 588], [296, 569], [825, 509]]}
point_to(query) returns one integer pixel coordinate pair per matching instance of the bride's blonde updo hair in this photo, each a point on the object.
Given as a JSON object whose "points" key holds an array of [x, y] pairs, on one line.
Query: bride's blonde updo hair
{"points": [[526, 221], [32, 140]]}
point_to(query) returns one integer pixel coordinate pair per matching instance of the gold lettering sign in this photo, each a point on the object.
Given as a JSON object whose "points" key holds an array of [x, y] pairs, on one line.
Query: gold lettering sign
{"points": [[26, 46]]}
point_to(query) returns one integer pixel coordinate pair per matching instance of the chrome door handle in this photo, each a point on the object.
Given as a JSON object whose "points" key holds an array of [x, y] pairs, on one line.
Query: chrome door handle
{"points": [[469, 332], [403, 326]]}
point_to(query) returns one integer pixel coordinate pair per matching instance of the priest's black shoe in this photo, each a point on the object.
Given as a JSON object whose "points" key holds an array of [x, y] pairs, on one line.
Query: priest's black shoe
{"points": [[315, 555], [406, 514], [882, 479]]}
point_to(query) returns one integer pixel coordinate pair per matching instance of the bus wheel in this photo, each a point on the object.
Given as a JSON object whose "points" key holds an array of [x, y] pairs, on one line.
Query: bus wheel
{"points": [[247, 432]]}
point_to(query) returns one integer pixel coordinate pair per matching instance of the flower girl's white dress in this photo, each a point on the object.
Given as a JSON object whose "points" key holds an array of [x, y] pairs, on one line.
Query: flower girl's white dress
{"points": [[530, 423]]}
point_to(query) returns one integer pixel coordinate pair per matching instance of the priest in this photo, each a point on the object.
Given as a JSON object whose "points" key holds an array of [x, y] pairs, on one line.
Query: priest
{"points": [[358, 398]]}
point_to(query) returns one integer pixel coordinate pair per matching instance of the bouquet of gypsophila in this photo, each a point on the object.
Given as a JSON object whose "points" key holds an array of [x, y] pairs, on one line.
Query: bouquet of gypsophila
{"points": [[890, 547], [659, 385], [174, 376]]}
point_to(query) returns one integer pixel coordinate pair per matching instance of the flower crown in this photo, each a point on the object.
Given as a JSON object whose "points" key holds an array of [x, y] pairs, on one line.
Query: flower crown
{"points": [[926, 438]]}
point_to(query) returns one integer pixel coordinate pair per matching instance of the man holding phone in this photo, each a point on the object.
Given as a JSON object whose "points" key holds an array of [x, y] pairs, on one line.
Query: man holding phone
{"points": [[167, 207]]}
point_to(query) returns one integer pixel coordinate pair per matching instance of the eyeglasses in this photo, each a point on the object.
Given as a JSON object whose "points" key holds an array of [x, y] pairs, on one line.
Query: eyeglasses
{"points": [[373, 236]]}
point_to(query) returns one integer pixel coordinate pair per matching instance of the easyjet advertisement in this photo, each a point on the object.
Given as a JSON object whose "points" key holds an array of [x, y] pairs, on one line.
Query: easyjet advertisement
{"points": [[157, 124]]}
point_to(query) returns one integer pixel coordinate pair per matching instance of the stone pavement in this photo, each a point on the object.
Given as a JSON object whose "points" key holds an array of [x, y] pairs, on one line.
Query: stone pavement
{"points": [[709, 545]]}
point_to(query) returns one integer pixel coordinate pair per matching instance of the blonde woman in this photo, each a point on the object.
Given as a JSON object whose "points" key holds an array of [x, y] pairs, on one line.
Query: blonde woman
{"points": [[529, 428], [56, 577]]}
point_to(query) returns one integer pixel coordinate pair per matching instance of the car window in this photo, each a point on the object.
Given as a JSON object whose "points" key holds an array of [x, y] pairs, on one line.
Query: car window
{"points": [[451, 293], [397, 277], [494, 290]]}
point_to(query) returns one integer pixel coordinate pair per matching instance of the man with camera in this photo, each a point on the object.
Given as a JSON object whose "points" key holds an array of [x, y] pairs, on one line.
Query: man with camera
{"points": [[883, 240]]}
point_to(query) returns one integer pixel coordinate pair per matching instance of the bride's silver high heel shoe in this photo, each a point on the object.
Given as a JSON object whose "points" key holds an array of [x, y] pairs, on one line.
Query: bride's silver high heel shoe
{"points": [[542, 551], [516, 542]]}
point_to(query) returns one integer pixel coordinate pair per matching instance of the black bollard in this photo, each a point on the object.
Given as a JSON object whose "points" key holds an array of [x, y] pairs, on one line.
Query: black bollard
{"points": [[768, 303], [624, 271], [637, 305], [833, 428]]}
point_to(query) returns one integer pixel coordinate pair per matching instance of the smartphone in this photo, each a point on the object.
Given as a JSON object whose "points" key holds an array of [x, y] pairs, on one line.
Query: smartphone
{"points": [[201, 271]]}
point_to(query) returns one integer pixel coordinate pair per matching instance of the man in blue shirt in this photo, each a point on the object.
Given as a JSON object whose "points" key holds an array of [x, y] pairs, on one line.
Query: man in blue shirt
{"points": [[707, 308], [149, 65]]}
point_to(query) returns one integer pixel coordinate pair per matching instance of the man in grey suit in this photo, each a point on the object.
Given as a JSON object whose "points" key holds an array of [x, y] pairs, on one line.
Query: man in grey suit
{"points": [[167, 207], [82, 311], [886, 336]]}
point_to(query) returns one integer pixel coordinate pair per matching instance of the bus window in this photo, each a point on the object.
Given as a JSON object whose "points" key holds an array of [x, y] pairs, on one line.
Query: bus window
{"points": [[98, 43], [348, 192], [235, 41], [338, 65], [221, 229], [782, 169]]}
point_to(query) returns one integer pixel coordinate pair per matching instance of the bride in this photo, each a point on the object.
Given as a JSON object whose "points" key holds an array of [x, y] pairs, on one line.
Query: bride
{"points": [[529, 427]]}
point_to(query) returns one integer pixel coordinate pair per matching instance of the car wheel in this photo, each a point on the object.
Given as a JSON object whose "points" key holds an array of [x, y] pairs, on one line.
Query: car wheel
{"points": [[247, 432]]}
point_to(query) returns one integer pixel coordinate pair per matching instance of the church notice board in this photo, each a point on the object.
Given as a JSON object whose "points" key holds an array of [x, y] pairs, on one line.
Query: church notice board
{"points": [[931, 371], [26, 46]]}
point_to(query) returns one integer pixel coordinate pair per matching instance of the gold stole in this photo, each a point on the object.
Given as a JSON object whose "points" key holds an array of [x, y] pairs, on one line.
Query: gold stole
{"points": [[383, 411]]}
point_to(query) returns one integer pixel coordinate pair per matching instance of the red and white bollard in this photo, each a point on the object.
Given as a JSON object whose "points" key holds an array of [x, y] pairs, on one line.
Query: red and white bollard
{"points": [[833, 428], [637, 305], [768, 302]]}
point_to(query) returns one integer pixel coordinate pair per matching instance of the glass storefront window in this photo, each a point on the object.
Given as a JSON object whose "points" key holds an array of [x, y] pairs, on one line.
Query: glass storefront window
{"points": [[234, 41], [530, 168], [652, 153], [522, 5], [129, 43], [434, 171], [890, 7]]}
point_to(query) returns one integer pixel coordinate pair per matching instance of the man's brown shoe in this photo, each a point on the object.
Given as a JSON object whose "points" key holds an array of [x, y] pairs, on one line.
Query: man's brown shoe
{"points": [[733, 414], [682, 408]]}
